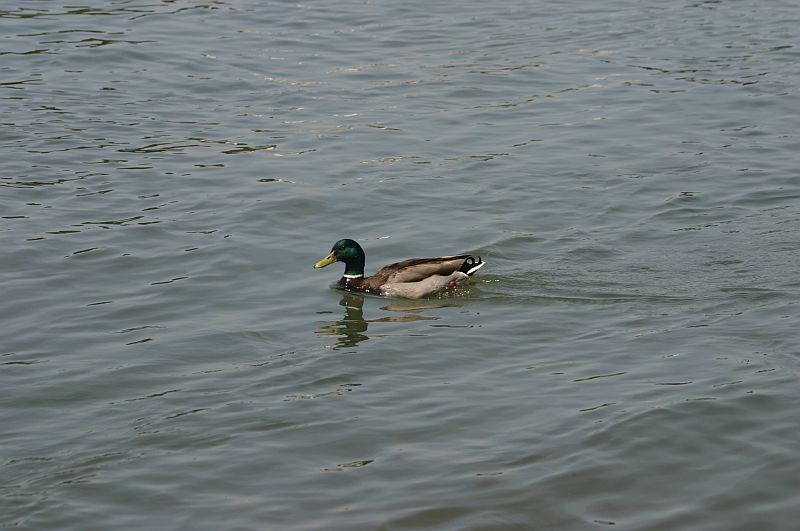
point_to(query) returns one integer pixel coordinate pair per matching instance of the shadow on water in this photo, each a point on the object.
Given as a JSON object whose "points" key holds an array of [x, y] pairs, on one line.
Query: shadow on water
{"points": [[351, 329]]}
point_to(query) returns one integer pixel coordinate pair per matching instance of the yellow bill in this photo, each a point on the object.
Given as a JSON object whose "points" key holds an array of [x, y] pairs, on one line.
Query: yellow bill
{"points": [[328, 260]]}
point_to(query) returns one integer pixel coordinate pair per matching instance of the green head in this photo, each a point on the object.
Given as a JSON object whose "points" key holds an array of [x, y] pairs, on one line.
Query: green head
{"points": [[347, 251]]}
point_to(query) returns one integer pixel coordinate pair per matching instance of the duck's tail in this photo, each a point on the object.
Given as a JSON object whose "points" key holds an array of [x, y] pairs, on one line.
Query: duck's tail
{"points": [[471, 265]]}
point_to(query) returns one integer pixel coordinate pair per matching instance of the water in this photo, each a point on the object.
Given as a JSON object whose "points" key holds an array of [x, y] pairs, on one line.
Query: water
{"points": [[171, 171]]}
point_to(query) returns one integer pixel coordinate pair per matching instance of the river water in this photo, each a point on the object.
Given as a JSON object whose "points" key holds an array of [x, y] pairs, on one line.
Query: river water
{"points": [[627, 359]]}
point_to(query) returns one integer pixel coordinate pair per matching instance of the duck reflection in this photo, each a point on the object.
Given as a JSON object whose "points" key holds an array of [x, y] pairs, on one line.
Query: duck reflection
{"points": [[352, 328]]}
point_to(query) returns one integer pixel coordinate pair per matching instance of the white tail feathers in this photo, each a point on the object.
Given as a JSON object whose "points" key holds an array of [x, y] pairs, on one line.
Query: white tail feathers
{"points": [[475, 267]]}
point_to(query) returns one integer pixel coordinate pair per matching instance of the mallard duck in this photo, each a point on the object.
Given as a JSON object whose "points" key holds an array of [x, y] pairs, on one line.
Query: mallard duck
{"points": [[412, 278]]}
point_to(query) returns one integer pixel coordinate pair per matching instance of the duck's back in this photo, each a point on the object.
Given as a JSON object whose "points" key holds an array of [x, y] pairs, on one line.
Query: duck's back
{"points": [[417, 269]]}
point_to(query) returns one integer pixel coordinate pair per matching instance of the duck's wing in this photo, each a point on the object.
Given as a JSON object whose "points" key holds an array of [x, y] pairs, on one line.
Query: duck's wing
{"points": [[418, 277], [417, 269]]}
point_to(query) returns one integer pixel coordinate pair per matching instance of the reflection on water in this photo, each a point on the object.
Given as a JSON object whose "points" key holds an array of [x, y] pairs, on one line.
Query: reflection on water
{"points": [[352, 326], [351, 329]]}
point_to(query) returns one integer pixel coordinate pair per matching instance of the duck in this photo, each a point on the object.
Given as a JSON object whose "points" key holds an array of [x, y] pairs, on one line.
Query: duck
{"points": [[413, 278]]}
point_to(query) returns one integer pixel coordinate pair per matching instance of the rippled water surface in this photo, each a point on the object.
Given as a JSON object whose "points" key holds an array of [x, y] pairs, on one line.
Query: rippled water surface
{"points": [[628, 358]]}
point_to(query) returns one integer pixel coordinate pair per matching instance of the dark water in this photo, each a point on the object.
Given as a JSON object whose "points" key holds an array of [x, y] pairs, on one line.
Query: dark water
{"points": [[628, 358]]}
